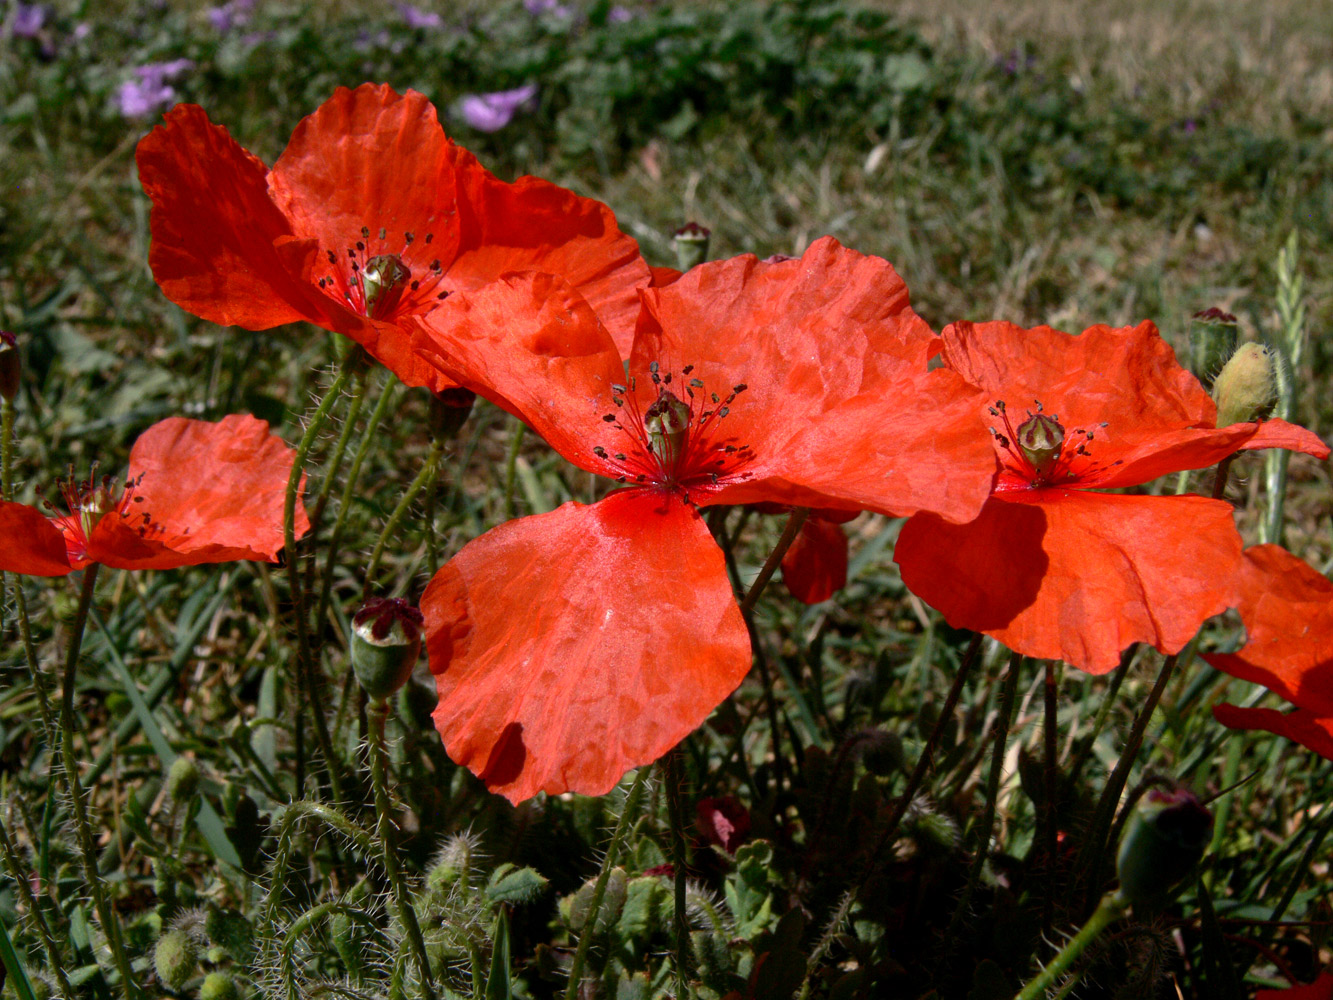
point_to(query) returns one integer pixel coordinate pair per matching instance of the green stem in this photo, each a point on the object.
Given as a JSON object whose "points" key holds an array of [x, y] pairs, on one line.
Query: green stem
{"points": [[20, 877], [376, 712], [1220, 477], [511, 466], [680, 860], [425, 477], [360, 379], [798, 516], [74, 788], [345, 500], [1111, 909], [1094, 847], [307, 669], [599, 889]]}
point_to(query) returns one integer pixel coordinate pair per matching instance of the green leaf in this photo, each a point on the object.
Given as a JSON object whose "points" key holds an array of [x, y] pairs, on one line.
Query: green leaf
{"points": [[498, 986], [515, 885], [17, 975]]}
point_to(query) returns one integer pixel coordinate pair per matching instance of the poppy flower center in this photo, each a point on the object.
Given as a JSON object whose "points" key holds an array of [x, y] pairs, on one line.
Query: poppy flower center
{"points": [[87, 502], [675, 443], [382, 278], [1041, 452]]}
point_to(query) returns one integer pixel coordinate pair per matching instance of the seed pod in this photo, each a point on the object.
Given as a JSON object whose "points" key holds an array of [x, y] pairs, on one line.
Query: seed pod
{"points": [[1166, 838], [386, 642], [691, 242]]}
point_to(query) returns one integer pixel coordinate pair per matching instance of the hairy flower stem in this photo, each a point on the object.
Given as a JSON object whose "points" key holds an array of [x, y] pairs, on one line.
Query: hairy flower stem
{"points": [[673, 779], [1050, 723], [425, 478], [345, 500], [1111, 909], [360, 379], [376, 712], [309, 676], [1094, 848], [599, 888], [1220, 478], [928, 751], [798, 516], [20, 876], [73, 787], [1000, 738]]}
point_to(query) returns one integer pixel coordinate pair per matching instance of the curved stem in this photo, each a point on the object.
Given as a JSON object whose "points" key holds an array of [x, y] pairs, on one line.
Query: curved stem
{"points": [[376, 712], [307, 669], [1111, 909], [599, 889], [70, 770], [424, 478], [798, 516]]}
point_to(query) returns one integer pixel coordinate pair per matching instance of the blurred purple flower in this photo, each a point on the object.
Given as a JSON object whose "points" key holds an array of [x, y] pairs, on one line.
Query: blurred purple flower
{"points": [[29, 19], [81, 31], [422, 20], [150, 92], [538, 7], [230, 15], [492, 112], [619, 15]]}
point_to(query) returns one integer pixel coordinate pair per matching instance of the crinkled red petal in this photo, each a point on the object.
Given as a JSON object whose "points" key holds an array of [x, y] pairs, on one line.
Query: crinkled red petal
{"points": [[33, 546], [1287, 608], [1061, 574], [572, 646], [529, 343], [1280, 434], [214, 227], [212, 492], [814, 568], [1312, 731]]}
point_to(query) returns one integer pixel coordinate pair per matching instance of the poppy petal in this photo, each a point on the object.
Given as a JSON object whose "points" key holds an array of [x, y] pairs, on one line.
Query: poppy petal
{"points": [[1061, 574], [1287, 608], [572, 646], [530, 344], [1280, 434], [838, 400], [815, 566], [210, 493], [214, 227], [534, 225], [33, 545], [1312, 731]]}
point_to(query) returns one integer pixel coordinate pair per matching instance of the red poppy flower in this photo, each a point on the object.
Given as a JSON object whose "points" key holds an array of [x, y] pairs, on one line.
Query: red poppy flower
{"points": [[370, 216], [196, 493], [1287, 608], [815, 567], [1054, 568], [571, 646]]}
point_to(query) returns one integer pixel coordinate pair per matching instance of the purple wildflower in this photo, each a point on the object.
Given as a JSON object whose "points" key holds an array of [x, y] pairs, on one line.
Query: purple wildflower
{"points": [[619, 14], [230, 15], [492, 112], [29, 19], [150, 92], [420, 20], [554, 7]]}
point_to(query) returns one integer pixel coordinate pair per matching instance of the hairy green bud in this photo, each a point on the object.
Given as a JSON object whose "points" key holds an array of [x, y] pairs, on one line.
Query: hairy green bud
{"points": [[1246, 386], [182, 779], [176, 959], [219, 986]]}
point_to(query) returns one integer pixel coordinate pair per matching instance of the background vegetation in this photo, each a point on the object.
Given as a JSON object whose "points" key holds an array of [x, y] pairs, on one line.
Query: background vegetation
{"points": [[1065, 164]]}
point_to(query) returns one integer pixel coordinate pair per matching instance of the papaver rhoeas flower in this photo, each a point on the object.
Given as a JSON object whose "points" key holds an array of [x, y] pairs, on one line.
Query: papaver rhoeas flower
{"points": [[1053, 568], [571, 646], [815, 567], [196, 492], [1287, 608], [371, 216]]}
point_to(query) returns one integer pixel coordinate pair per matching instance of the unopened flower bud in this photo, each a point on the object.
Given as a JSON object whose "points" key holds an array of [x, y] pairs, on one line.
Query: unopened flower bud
{"points": [[386, 641], [1245, 388], [182, 779], [175, 959], [449, 411], [1212, 341], [691, 242], [11, 368], [219, 986], [1166, 838], [1041, 437]]}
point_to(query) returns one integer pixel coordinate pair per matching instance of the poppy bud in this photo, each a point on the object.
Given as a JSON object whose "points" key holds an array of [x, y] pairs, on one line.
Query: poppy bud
{"points": [[11, 368], [1041, 438], [667, 422], [182, 779], [382, 281], [691, 242], [449, 411], [1166, 838], [175, 959], [1245, 387], [386, 641], [1212, 341], [219, 986]]}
